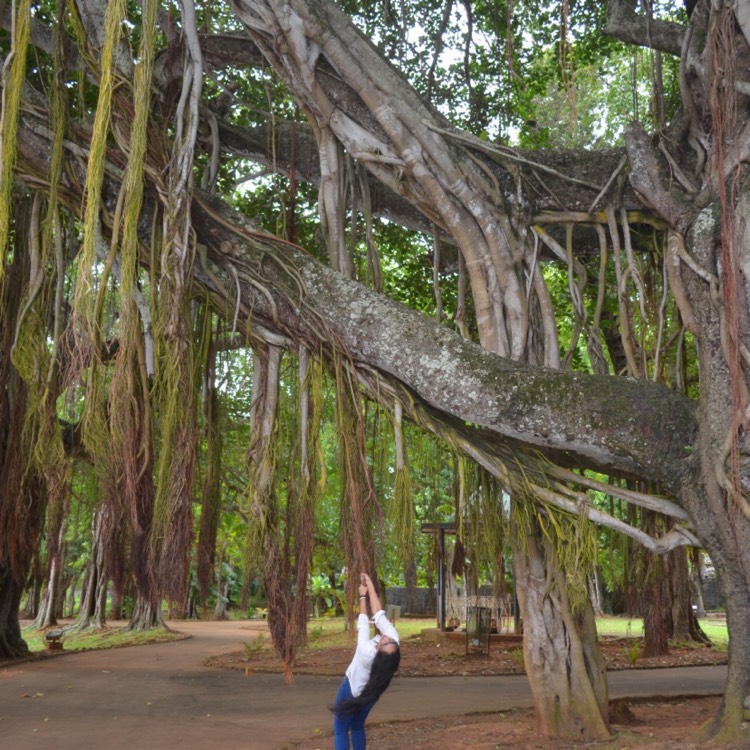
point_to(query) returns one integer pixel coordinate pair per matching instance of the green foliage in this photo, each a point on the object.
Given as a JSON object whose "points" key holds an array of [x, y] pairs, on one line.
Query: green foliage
{"points": [[632, 653], [255, 646], [314, 633], [321, 591]]}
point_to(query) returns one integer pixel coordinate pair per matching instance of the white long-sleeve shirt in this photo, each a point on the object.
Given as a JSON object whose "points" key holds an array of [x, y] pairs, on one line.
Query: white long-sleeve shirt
{"points": [[358, 670]]}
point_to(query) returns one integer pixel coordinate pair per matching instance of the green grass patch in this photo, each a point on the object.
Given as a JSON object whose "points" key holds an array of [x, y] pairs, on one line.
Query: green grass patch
{"points": [[89, 639], [332, 632], [632, 627], [619, 627], [716, 630]]}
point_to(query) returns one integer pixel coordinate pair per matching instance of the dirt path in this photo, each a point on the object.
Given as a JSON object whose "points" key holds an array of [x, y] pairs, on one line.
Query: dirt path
{"points": [[161, 696]]}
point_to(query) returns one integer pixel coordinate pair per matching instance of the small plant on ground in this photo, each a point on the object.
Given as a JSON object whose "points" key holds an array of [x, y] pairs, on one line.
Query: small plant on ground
{"points": [[255, 646], [632, 652], [315, 632], [517, 654]]}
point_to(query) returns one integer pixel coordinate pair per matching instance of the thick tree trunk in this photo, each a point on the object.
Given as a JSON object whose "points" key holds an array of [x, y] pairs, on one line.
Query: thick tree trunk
{"points": [[22, 496], [145, 615], [721, 513], [728, 546], [12, 645], [564, 665]]}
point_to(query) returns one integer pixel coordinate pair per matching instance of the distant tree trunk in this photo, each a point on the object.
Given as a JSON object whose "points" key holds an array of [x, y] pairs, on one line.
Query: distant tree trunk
{"points": [[595, 592], [88, 598], [631, 571], [51, 605], [411, 602], [33, 592], [115, 609], [191, 601], [220, 610], [211, 495], [47, 614], [453, 606], [680, 599], [99, 618], [696, 581], [222, 587], [92, 612], [118, 572], [654, 595], [431, 604], [71, 606]]}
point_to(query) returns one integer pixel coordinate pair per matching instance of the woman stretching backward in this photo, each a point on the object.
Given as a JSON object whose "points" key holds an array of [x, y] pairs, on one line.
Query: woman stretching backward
{"points": [[369, 673]]}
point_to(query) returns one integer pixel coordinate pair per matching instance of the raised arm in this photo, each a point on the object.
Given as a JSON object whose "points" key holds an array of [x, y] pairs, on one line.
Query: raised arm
{"points": [[363, 594], [369, 586], [382, 623]]}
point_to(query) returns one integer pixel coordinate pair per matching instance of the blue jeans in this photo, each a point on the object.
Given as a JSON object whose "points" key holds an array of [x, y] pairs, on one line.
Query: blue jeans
{"points": [[354, 724]]}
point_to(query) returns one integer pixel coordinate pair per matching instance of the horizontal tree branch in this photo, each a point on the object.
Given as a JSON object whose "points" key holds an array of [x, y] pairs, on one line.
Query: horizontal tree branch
{"points": [[620, 426], [625, 24]]}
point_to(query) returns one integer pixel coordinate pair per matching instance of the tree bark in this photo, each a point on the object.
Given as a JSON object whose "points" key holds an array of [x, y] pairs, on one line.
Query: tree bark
{"points": [[567, 676], [681, 606], [12, 644], [91, 613], [145, 615], [51, 606], [654, 605], [33, 596], [696, 581]]}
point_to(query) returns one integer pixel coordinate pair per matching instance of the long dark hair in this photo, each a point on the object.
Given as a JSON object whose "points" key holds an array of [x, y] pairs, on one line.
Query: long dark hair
{"points": [[384, 666]]}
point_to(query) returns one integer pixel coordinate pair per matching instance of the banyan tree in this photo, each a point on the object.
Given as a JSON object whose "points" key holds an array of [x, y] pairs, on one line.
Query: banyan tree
{"points": [[128, 260]]}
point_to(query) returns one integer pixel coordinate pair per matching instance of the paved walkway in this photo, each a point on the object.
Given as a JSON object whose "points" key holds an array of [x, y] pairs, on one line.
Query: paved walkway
{"points": [[160, 696]]}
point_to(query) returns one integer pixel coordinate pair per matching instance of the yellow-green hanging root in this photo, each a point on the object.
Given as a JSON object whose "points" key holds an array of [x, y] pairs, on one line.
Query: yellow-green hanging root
{"points": [[11, 106]]}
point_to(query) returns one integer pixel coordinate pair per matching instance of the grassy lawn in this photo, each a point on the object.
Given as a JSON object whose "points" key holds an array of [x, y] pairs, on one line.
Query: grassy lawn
{"points": [[624, 627], [331, 632], [101, 639]]}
